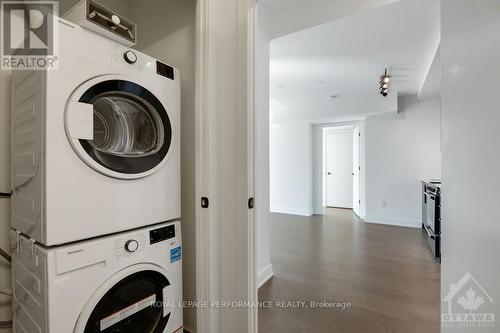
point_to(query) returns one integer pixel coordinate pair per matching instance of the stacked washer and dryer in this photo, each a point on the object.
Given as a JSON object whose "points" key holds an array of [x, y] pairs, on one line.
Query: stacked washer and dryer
{"points": [[96, 237]]}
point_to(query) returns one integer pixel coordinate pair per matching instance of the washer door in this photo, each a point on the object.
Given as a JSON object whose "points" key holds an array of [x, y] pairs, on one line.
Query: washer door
{"points": [[119, 128], [133, 304]]}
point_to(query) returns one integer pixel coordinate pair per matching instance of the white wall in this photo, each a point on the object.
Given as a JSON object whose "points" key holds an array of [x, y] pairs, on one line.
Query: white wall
{"points": [[401, 150], [470, 49], [397, 151], [291, 168], [166, 31], [262, 210]]}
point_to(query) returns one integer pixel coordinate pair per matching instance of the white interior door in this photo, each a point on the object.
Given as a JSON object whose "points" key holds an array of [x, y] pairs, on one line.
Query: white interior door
{"points": [[339, 173], [225, 253], [355, 169]]}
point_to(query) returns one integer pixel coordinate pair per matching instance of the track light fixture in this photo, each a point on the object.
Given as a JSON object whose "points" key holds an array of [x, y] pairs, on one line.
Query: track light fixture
{"points": [[384, 83]]}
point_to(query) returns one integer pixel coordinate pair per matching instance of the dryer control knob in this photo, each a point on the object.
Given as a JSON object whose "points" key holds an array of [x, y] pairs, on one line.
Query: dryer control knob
{"points": [[130, 57], [131, 245]]}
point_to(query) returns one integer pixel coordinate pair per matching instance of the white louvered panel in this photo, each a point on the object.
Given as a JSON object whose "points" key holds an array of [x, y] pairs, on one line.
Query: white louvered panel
{"points": [[29, 281], [24, 84], [26, 163]]}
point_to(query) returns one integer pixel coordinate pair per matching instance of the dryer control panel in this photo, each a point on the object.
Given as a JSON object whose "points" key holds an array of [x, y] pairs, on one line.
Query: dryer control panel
{"points": [[129, 59], [129, 245]]}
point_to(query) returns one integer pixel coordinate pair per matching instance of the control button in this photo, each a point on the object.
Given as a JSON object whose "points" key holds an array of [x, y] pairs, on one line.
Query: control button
{"points": [[130, 57], [131, 245]]}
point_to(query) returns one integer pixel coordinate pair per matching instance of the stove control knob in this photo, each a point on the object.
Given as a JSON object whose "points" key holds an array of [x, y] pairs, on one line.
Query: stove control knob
{"points": [[131, 245], [130, 57]]}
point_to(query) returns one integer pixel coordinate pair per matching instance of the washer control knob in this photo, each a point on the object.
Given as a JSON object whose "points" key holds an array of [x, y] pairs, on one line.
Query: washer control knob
{"points": [[131, 245], [130, 57]]}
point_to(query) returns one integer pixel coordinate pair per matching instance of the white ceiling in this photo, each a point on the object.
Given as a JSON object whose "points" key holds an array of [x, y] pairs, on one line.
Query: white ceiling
{"points": [[346, 58], [289, 15]]}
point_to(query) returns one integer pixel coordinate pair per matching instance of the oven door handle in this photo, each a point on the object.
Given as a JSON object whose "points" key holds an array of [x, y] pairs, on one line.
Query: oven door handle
{"points": [[429, 233]]}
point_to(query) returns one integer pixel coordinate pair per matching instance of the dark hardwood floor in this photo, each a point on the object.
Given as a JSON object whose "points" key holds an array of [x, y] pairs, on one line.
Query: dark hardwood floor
{"points": [[387, 273]]}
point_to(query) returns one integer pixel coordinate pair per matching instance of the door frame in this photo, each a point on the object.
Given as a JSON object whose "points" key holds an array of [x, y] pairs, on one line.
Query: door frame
{"points": [[326, 132], [357, 173], [325, 128], [214, 36]]}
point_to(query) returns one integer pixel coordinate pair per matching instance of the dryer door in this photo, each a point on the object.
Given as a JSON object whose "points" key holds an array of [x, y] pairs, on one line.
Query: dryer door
{"points": [[119, 128], [136, 303]]}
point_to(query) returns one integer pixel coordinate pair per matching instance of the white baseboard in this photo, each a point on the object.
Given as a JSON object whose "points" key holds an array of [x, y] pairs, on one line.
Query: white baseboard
{"points": [[396, 222], [292, 211], [264, 275]]}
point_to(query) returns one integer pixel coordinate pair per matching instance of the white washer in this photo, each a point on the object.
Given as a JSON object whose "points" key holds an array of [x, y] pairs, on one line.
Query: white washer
{"points": [[127, 282], [95, 144]]}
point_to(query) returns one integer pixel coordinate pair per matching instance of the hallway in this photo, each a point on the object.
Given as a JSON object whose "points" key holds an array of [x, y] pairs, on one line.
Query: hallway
{"points": [[387, 273]]}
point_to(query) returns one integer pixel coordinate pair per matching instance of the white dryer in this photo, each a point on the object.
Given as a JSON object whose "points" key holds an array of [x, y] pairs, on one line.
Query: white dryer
{"points": [[127, 282], [96, 143]]}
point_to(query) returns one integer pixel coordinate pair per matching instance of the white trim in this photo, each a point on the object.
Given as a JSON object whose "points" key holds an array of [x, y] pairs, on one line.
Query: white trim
{"points": [[265, 275], [292, 211], [204, 317], [252, 288], [396, 222]]}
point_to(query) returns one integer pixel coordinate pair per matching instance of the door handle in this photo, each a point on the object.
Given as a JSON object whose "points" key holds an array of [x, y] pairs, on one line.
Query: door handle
{"points": [[329, 173]]}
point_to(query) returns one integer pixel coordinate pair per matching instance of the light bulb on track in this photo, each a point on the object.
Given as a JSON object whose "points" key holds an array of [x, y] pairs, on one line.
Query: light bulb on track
{"points": [[384, 83]]}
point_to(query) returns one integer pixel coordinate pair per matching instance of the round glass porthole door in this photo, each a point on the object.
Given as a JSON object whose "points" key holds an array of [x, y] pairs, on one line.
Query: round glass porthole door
{"points": [[131, 305], [131, 130]]}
